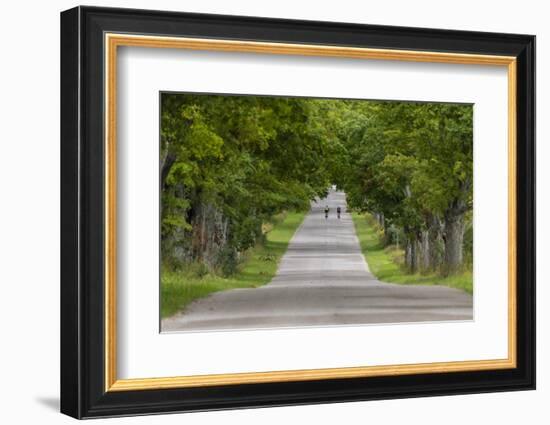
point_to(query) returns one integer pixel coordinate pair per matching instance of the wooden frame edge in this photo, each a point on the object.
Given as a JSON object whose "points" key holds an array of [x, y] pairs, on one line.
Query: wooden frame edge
{"points": [[306, 375], [110, 213], [114, 40], [512, 212]]}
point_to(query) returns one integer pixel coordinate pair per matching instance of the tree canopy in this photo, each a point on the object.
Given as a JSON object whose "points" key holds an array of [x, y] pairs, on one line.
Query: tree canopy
{"points": [[230, 163]]}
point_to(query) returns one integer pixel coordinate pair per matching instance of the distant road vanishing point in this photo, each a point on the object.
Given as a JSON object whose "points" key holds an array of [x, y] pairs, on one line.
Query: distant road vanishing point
{"points": [[322, 280]]}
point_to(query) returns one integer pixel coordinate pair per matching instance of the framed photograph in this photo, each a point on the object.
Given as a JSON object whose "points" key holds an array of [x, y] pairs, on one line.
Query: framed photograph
{"points": [[261, 212]]}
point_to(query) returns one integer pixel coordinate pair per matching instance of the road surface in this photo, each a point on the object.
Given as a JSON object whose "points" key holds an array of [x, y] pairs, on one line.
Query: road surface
{"points": [[322, 280]]}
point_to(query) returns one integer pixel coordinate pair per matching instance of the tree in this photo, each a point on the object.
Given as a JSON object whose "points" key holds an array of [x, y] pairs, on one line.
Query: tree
{"points": [[413, 169], [228, 164]]}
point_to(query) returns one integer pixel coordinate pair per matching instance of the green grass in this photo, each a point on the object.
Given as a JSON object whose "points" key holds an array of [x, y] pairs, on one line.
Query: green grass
{"points": [[385, 262], [260, 263]]}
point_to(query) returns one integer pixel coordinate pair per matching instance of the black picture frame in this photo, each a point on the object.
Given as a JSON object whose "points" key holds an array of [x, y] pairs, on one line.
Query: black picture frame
{"points": [[83, 392]]}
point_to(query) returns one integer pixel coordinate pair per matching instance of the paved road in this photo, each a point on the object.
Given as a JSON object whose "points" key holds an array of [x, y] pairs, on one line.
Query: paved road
{"points": [[323, 279]]}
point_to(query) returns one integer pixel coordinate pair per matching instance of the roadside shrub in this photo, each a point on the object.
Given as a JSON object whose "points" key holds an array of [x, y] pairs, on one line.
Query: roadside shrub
{"points": [[267, 257], [394, 236], [198, 269], [468, 246], [227, 261]]}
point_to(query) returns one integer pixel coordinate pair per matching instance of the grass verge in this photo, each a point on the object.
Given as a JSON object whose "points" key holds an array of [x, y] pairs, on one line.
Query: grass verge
{"points": [[179, 289], [384, 261]]}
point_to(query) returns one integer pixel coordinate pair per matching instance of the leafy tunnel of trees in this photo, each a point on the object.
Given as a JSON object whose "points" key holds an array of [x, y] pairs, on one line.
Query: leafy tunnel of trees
{"points": [[230, 163]]}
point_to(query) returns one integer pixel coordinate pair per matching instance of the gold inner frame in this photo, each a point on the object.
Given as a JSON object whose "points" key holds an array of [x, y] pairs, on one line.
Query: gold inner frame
{"points": [[113, 41]]}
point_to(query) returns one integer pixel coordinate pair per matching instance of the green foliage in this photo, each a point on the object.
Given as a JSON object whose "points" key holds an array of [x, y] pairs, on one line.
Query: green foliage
{"points": [[411, 158], [179, 288], [227, 261], [469, 241], [386, 263], [245, 158], [412, 164], [229, 164]]}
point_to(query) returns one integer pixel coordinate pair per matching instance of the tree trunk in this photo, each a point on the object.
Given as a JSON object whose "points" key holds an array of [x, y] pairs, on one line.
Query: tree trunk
{"points": [[165, 167], [412, 255], [417, 255], [435, 243], [436, 250], [453, 238], [224, 231], [425, 249], [408, 256]]}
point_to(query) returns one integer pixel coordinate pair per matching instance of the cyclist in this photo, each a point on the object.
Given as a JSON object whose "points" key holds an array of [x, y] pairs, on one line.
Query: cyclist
{"points": [[327, 209]]}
